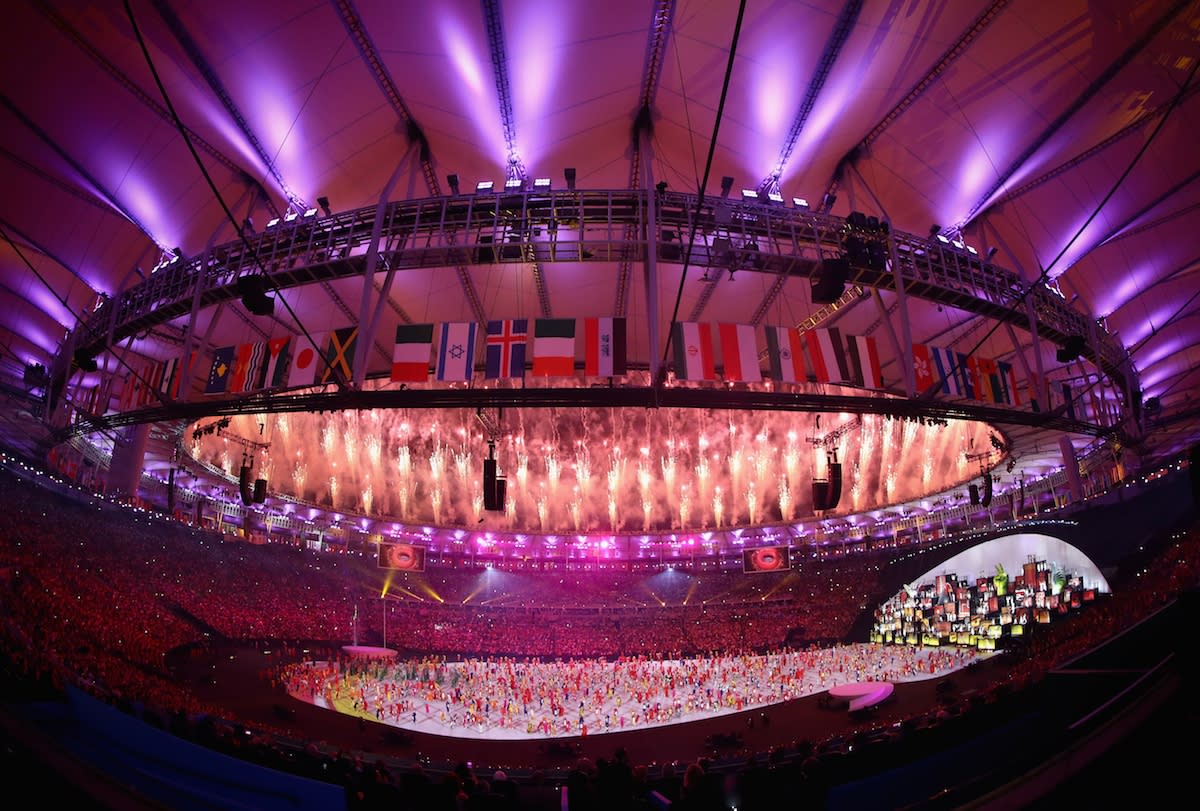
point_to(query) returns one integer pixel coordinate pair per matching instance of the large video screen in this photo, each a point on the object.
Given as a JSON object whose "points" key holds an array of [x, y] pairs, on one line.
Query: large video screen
{"points": [[404, 556], [765, 559]]}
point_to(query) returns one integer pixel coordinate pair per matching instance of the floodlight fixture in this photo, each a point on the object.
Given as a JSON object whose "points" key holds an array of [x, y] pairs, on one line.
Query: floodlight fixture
{"points": [[452, 180], [971, 250], [310, 212], [569, 174], [323, 202], [958, 243], [513, 184], [775, 197], [541, 183], [290, 216], [726, 186], [942, 238], [799, 202], [749, 194], [992, 251], [274, 221], [484, 187]]}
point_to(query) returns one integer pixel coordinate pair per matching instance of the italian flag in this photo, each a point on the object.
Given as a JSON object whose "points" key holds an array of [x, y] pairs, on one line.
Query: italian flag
{"points": [[410, 355]]}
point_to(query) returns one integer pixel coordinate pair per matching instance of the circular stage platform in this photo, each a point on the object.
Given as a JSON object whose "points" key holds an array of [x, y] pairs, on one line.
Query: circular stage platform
{"points": [[862, 694], [369, 652]]}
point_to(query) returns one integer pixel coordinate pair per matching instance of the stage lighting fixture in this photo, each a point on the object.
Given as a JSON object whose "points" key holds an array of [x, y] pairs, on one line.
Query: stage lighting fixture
{"points": [[253, 289], [971, 250], [569, 174], [323, 202], [85, 360], [274, 221], [484, 187], [726, 186], [958, 243], [749, 194], [290, 216], [452, 180], [827, 202], [934, 230], [942, 238], [661, 186], [775, 197], [513, 184], [541, 183], [992, 251], [1071, 349], [310, 212], [799, 202]]}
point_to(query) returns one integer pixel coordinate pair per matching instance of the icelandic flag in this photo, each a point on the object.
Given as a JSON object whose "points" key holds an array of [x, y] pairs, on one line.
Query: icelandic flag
{"points": [[506, 347]]}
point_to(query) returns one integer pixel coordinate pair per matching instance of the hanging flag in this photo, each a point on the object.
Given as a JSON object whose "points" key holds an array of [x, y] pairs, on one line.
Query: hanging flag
{"points": [[785, 355], [988, 388], [506, 348], [1070, 402], [125, 401], [969, 380], [169, 378], [306, 360], [739, 353], [923, 367], [554, 347], [865, 368], [218, 374], [150, 375], [693, 349], [1008, 383], [275, 370], [339, 354], [945, 361], [1039, 392], [456, 353], [247, 367], [827, 354], [410, 355], [604, 347]]}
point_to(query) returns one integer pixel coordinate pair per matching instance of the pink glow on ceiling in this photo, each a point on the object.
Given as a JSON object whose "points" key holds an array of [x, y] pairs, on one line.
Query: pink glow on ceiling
{"points": [[476, 92], [776, 97], [536, 54], [836, 95]]}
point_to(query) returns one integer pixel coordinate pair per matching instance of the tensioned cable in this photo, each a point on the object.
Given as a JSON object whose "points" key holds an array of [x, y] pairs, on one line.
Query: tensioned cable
{"points": [[712, 148], [1095, 213], [216, 193]]}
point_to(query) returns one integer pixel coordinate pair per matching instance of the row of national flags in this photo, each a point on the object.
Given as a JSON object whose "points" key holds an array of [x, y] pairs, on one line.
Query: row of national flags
{"points": [[507, 347], [975, 378], [824, 355]]}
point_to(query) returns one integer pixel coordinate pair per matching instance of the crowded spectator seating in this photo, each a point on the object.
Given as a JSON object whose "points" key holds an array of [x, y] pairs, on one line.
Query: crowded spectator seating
{"points": [[95, 595]]}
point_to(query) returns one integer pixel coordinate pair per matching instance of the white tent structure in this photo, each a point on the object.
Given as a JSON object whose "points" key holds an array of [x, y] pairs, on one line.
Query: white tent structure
{"points": [[1007, 188]]}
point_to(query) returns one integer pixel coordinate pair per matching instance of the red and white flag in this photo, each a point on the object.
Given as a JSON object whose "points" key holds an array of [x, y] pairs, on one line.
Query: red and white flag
{"points": [[307, 360], [604, 347], [739, 353], [827, 355], [864, 358]]}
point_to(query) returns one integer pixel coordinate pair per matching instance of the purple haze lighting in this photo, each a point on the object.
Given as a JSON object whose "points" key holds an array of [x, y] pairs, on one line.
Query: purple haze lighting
{"points": [[537, 44]]}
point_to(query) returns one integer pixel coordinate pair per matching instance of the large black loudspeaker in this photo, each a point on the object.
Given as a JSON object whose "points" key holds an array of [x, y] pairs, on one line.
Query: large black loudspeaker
{"points": [[835, 484], [829, 280], [244, 485], [171, 491], [494, 487], [974, 491], [1194, 470], [254, 295], [986, 498], [820, 494], [260, 491]]}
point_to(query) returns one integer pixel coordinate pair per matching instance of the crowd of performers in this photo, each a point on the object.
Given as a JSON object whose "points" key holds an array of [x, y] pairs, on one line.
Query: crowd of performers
{"points": [[510, 698]]}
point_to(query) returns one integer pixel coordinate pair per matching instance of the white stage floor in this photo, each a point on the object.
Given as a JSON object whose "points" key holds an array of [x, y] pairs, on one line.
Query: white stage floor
{"points": [[507, 699]]}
